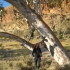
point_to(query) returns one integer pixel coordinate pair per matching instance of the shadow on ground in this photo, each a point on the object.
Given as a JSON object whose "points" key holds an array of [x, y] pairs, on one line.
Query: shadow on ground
{"points": [[13, 53]]}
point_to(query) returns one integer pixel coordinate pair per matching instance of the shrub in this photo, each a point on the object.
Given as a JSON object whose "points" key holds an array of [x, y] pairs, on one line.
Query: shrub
{"points": [[59, 33]]}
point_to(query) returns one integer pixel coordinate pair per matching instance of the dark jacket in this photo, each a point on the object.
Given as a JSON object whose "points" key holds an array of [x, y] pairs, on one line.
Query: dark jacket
{"points": [[37, 52]]}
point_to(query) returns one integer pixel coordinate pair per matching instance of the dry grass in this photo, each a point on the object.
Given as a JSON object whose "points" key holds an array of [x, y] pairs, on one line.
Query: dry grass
{"points": [[66, 45], [21, 60], [27, 63]]}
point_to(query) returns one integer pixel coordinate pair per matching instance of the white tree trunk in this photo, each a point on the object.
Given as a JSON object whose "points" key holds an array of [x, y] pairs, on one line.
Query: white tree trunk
{"points": [[51, 41]]}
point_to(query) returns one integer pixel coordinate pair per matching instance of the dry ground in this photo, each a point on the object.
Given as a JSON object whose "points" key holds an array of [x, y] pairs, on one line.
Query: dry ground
{"points": [[13, 56]]}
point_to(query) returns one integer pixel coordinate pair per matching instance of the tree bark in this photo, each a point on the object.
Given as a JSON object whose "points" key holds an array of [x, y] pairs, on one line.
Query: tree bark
{"points": [[35, 6], [53, 44], [24, 42]]}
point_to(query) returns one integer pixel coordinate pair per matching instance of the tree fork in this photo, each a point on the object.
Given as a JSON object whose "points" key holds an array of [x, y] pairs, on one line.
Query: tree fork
{"points": [[53, 44], [23, 41]]}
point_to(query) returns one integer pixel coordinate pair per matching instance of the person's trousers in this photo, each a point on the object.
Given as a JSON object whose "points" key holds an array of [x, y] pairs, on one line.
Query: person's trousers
{"points": [[37, 62]]}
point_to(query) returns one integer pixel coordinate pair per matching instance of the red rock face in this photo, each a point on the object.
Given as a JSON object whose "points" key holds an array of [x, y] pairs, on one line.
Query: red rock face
{"points": [[12, 17], [10, 13]]}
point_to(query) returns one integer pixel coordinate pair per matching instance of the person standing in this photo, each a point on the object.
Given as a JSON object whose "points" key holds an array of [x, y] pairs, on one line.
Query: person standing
{"points": [[37, 54]]}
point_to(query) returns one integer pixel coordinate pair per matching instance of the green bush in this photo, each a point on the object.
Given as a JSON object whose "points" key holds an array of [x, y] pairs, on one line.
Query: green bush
{"points": [[60, 36], [59, 33], [56, 2]]}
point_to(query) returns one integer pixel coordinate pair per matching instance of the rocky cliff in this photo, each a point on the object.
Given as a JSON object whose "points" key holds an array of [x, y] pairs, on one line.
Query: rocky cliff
{"points": [[58, 18]]}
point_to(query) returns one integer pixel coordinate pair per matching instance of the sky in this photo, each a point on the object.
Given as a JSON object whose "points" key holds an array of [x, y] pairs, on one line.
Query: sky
{"points": [[4, 3]]}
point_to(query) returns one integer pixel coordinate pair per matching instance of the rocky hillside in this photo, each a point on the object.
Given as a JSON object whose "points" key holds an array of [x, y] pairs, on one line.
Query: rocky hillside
{"points": [[57, 18]]}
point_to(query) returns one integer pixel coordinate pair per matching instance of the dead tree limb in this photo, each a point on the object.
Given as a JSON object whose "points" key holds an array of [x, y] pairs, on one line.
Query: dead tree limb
{"points": [[23, 41]]}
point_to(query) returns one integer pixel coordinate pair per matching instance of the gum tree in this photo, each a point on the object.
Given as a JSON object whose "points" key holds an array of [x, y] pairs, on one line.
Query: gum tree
{"points": [[52, 43]]}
